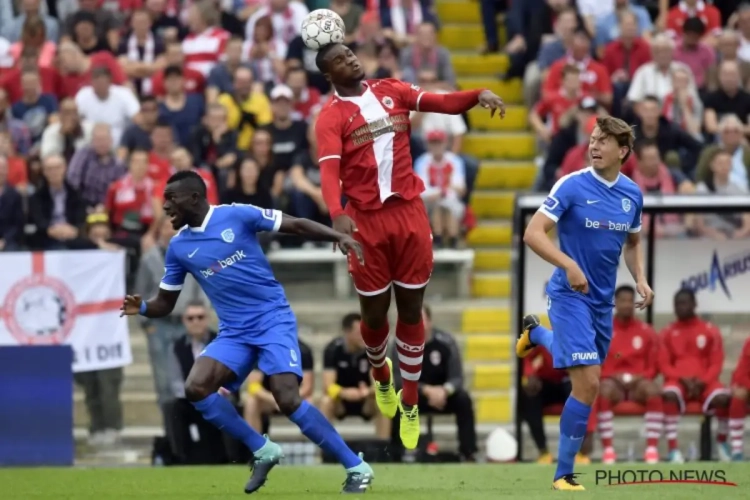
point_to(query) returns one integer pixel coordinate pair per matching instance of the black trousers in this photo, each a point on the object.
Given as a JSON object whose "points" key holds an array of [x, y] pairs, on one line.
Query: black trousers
{"points": [[193, 440], [532, 408], [458, 404]]}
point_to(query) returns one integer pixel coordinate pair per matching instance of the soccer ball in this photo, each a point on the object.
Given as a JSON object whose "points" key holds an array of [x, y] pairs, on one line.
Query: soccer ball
{"points": [[322, 27]]}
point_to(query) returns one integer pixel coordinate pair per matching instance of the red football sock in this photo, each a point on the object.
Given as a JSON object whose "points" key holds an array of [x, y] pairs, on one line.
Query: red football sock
{"points": [[605, 415], [410, 346], [737, 414], [654, 420], [376, 342], [671, 419], [722, 424]]}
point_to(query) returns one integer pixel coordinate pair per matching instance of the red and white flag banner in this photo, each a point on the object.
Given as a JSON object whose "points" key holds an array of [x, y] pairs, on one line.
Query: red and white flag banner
{"points": [[71, 297]]}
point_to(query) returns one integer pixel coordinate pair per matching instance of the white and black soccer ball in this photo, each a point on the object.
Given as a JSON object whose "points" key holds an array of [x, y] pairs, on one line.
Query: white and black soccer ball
{"points": [[322, 27]]}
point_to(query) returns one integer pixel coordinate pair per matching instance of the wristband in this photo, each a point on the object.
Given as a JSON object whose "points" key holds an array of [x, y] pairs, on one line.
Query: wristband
{"points": [[334, 390], [142, 310], [254, 388]]}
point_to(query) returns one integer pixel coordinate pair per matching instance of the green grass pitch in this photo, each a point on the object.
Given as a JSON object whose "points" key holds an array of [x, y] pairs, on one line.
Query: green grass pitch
{"points": [[393, 482]]}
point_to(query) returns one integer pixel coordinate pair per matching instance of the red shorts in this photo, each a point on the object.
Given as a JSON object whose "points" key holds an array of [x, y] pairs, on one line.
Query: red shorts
{"points": [[709, 393], [397, 245]]}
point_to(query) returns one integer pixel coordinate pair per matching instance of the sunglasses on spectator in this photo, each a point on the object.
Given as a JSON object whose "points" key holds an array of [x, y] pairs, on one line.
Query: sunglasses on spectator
{"points": [[197, 317]]}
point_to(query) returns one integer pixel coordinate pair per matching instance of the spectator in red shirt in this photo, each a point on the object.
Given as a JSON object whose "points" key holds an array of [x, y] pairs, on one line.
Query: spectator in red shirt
{"points": [[594, 75], [546, 116], [691, 361], [622, 57], [698, 56], [132, 204], [628, 375], [686, 9], [307, 100], [75, 68], [29, 59], [34, 39], [683, 106], [181, 159], [173, 56]]}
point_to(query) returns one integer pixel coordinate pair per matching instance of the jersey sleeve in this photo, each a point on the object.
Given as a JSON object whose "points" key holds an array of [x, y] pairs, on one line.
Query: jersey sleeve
{"points": [[409, 94], [174, 272], [329, 356], [307, 357], [635, 226], [559, 198], [259, 219], [328, 134]]}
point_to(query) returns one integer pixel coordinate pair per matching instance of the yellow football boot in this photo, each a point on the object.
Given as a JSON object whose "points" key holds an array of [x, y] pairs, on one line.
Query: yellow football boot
{"points": [[524, 345], [567, 483], [385, 395], [409, 430], [545, 458]]}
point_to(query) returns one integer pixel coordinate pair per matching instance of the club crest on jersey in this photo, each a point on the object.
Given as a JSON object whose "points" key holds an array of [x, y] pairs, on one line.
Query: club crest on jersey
{"points": [[700, 341], [388, 102], [637, 342], [435, 358], [626, 205], [227, 235]]}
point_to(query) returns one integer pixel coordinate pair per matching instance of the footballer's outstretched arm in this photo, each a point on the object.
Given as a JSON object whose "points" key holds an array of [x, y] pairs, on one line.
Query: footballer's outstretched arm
{"points": [[157, 307], [308, 229], [536, 238], [456, 103]]}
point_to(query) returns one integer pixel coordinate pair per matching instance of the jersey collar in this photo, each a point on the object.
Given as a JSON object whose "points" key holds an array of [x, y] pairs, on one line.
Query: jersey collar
{"points": [[599, 178], [202, 227]]}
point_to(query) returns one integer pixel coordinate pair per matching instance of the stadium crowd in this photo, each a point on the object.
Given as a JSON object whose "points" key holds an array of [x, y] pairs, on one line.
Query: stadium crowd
{"points": [[678, 72]]}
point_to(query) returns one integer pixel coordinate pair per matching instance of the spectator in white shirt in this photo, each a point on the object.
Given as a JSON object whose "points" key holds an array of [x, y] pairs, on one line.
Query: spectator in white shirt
{"points": [[444, 177], [103, 102], [286, 18], [655, 78]]}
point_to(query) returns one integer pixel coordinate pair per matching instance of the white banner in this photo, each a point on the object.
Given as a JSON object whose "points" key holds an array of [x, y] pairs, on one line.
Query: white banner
{"points": [[718, 271], [70, 297]]}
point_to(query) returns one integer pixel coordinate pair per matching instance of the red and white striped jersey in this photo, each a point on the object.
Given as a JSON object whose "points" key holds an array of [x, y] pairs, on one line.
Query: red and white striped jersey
{"points": [[370, 134], [203, 50]]}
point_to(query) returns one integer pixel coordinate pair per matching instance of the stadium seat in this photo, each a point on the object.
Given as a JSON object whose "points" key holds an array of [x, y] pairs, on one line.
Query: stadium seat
{"points": [[631, 409]]}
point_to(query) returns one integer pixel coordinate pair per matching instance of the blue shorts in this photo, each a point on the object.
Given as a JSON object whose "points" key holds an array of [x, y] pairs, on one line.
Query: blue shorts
{"points": [[275, 351], [583, 332]]}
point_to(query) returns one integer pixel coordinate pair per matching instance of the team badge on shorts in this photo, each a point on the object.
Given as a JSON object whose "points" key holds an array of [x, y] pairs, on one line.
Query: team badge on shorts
{"points": [[388, 102], [227, 235], [626, 205]]}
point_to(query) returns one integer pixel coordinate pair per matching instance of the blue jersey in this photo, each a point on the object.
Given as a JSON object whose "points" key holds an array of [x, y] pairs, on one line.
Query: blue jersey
{"points": [[594, 217], [225, 258]]}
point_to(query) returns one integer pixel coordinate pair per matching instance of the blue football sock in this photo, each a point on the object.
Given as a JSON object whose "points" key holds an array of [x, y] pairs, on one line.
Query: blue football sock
{"points": [[543, 336], [220, 412], [573, 423], [319, 430]]}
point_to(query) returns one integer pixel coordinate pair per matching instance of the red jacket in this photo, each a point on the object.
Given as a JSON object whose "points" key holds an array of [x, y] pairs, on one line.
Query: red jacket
{"points": [[615, 56], [634, 350], [539, 364], [692, 348], [741, 375]]}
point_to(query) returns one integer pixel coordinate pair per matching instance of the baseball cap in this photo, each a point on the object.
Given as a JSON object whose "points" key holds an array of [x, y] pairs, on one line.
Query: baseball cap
{"points": [[281, 91], [436, 136], [588, 104]]}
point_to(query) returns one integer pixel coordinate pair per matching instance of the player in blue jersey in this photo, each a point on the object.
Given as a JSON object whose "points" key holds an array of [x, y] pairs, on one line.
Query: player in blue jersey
{"points": [[219, 247], [598, 212]]}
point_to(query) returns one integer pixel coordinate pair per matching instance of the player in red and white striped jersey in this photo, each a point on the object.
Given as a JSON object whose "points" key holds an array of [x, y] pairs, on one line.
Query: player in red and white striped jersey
{"points": [[363, 135], [204, 46]]}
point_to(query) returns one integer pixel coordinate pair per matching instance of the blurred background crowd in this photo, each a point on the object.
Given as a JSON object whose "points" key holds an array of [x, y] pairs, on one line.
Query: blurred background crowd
{"points": [[102, 100]]}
